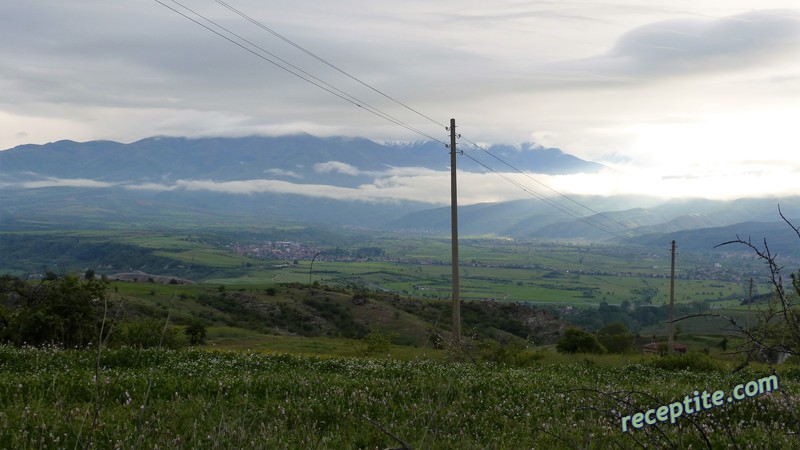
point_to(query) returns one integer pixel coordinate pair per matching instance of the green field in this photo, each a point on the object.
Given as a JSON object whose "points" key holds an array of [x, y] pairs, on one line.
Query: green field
{"points": [[544, 274], [200, 399], [353, 353], [490, 268]]}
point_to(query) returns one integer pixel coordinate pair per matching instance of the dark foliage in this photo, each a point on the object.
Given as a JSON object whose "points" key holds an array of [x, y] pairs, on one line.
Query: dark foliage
{"points": [[340, 317], [616, 338], [196, 332], [65, 311], [576, 340], [147, 333]]}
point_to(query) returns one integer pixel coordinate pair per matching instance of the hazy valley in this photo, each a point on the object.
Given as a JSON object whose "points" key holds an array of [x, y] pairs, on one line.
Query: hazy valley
{"points": [[281, 248]]}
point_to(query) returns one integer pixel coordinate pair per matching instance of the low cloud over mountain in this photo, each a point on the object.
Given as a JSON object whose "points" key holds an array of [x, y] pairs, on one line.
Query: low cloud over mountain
{"points": [[341, 181], [337, 168]]}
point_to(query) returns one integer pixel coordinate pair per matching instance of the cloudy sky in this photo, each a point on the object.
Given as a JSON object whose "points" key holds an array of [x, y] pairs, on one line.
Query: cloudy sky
{"points": [[678, 97]]}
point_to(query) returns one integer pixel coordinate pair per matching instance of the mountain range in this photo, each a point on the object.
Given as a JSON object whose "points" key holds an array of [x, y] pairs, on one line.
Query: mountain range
{"points": [[297, 158], [337, 181]]}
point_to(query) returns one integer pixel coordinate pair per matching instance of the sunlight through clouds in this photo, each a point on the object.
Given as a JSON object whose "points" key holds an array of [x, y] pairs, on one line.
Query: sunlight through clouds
{"points": [[679, 90]]}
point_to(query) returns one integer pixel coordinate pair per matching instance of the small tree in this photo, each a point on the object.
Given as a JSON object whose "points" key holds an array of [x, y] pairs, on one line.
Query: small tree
{"points": [[377, 342], [576, 340], [148, 333], [616, 337], [196, 332], [65, 310]]}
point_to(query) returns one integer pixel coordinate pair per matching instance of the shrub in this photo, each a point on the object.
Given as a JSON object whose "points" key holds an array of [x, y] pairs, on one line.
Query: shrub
{"points": [[377, 342], [616, 337], [509, 352], [63, 310], [148, 333], [196, 333], [692, 361], [576, 340]]}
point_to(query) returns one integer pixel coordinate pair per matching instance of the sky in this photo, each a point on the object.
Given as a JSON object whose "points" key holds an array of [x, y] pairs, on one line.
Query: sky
{"points": [[677, 98]]}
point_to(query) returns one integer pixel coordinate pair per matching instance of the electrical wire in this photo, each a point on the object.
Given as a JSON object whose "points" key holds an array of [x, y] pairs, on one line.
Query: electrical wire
{"points": [[324, 61], [281, 63], [290, 68], [555, 205], [565, 196]]}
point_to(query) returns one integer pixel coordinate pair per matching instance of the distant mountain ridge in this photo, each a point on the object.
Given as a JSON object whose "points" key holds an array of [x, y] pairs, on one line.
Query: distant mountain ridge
{"points": [[306, 179], [295, 178], [615, 218], [296, 158]]}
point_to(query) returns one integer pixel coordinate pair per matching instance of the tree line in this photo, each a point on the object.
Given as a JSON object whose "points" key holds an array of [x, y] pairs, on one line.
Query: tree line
{"points": [[75, 311]]}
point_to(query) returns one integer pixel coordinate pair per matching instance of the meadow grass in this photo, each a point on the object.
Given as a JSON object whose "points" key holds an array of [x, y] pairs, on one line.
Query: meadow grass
{"points": [[238, 339], [53, 398]]}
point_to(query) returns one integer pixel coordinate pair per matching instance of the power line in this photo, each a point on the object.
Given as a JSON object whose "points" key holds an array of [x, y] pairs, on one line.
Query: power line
{"points": [[527, 175], [287, 66], [292, 69], [324, 61], [561, 208], [572, 213]]}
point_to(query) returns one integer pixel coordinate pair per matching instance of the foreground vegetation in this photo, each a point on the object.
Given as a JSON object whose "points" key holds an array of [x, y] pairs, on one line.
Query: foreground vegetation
{"points": [[112, 382], [127, 398]]}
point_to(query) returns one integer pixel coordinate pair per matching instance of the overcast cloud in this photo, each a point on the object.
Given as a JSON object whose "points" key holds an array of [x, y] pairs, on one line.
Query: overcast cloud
{"points": [[685, 96]]}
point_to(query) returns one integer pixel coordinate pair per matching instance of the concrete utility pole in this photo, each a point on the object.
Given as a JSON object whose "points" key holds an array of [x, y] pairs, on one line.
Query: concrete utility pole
{"points": [[749, 302], [671, 300], [454, 236]]}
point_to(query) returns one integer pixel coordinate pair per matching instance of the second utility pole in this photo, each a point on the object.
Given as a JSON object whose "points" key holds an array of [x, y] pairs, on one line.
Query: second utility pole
{"points": [[454, 236], [671, 300]]}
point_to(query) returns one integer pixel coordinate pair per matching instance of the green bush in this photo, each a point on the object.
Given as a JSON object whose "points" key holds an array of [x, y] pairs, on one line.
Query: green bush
{"points": [[66, 311], [576, 340], [377, 342], [511, 352], [196, 333], [616, 337], [692, 361], [148, 333]]}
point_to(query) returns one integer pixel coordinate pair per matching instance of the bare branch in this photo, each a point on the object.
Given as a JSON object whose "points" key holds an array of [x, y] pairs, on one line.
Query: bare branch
{"points": [[624, 398], [377, 425], [796, 229], [564, 440], [761, 345], [787, 309]]}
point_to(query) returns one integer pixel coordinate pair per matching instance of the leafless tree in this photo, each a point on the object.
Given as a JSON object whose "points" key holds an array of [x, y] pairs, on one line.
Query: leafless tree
{"points": [[778, 330]]}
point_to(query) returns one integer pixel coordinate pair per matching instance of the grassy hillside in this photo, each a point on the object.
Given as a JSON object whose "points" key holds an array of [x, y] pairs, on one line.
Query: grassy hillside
{"points": [[199, 399], [589, 285], [349, 353], [273, 311]]}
